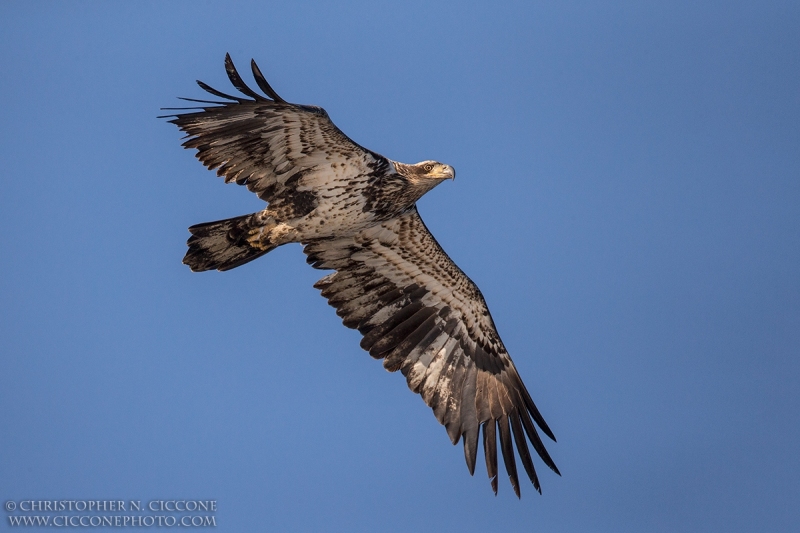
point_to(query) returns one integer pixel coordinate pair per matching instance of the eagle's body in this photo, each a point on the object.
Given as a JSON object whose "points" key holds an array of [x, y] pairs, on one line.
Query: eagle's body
{"points": [[354, 212]]}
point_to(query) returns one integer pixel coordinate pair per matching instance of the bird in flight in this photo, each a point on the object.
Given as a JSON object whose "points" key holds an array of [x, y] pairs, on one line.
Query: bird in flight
{"points": [[354, 211]]}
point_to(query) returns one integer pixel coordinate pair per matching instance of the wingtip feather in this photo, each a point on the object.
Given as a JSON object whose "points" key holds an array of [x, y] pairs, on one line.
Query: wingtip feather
{"points": [[263, 84], [490, 451], [215, 92], [238, 82]]}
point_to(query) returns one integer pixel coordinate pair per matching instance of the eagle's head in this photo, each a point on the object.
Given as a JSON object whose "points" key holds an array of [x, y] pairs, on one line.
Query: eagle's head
{"points": [[421, 178], [431, 170]]}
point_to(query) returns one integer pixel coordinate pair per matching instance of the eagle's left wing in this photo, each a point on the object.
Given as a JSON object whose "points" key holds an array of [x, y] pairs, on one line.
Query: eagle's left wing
{"points": [[281, 151], [423, 316]]}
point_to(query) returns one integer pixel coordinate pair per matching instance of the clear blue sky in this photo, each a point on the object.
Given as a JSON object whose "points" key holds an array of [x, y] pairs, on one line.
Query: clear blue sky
{"points": [[628, 200]]}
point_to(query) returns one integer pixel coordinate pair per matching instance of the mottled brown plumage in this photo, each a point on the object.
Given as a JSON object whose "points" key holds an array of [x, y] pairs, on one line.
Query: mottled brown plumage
{"points": [[354, 211]]}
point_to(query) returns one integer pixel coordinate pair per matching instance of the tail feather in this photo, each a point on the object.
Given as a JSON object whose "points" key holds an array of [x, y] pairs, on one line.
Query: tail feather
{"points": [[223, 245]]}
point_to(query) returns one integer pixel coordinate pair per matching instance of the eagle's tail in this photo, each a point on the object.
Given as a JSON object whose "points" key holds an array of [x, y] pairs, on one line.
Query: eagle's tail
{"points": [[225, 244]]}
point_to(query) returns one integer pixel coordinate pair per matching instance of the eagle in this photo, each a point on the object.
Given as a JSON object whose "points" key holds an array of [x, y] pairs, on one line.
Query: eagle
{"points": [[354, 211]]}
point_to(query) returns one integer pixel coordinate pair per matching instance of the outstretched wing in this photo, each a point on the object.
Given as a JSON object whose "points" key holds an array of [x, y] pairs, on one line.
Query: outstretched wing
{"points": [[423, 316], [275, 148]]}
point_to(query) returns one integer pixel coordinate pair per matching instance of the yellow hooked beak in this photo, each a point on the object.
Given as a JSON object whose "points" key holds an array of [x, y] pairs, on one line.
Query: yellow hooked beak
{"points": [[447, 172]]}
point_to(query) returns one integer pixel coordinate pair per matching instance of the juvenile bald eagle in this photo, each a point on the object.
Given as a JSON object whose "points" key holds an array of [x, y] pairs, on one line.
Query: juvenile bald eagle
{"points": [[354, 211]]}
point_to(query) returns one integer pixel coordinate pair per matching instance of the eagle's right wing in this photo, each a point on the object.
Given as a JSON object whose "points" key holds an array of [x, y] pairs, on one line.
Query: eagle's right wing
{"points": [[275, 148], [422, 315]]}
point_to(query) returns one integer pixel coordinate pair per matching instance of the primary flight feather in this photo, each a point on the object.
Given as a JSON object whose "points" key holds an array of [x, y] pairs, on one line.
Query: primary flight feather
{"points": [[354, 211]]}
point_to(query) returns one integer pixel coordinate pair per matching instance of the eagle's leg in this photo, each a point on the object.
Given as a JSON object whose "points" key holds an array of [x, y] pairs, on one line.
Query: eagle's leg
{"points": [[258, 230], [268, 231]]}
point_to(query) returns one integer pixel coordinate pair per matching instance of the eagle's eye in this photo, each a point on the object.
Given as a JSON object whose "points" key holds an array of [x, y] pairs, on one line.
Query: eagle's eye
{"points": [[428, 167]]}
